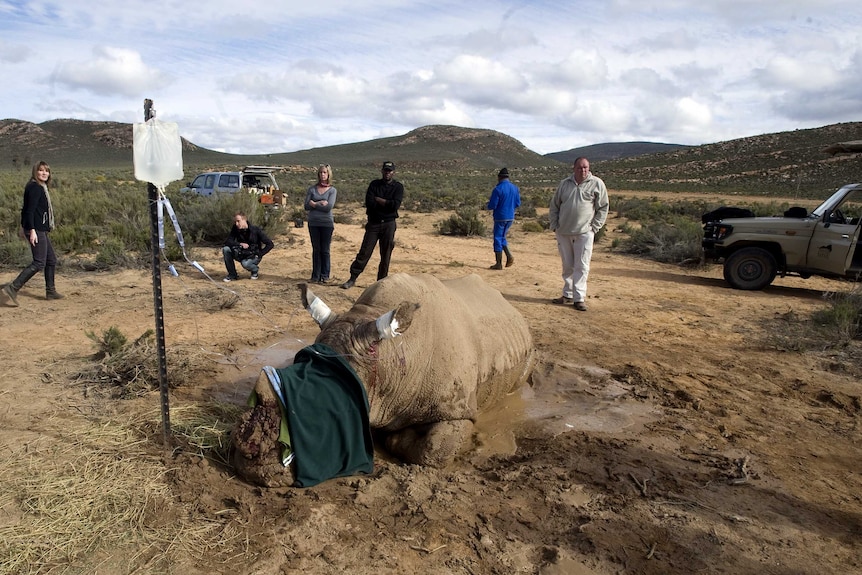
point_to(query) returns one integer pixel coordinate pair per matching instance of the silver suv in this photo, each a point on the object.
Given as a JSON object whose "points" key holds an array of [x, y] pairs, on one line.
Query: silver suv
{"points": [[255, 179]]}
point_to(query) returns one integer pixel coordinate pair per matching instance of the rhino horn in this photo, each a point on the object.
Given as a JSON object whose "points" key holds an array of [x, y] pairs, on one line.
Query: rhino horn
{"points": [[399, 318], [319, 311]]}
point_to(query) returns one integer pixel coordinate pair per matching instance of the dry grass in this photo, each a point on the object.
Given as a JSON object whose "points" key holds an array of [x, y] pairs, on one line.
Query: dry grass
{"points": [[203, 428], [88, 486], [131, 369]]}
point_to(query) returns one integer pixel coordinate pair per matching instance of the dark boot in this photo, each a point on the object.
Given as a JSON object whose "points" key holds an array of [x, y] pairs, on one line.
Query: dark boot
{"points": [[509, 259], [11, 293], [11, 289], [499, 264], [349, 283], [50, 290]]}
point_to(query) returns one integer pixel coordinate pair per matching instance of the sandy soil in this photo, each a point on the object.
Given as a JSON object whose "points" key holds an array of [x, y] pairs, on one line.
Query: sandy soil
{"points": [[663, 432]]}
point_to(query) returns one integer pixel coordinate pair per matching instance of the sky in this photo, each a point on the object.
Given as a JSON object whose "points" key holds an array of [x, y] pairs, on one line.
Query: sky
{"points": [[271, 76]]}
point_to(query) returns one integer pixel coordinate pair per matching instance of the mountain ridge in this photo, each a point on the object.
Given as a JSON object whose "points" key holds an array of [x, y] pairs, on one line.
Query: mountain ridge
{"points": [[781, 162]]}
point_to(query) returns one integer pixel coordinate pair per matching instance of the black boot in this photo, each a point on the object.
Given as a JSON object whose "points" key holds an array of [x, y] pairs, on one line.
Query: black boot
{"points": [[509, 259], [50, 290], [499, 264], [11, 289], [349, 283]]}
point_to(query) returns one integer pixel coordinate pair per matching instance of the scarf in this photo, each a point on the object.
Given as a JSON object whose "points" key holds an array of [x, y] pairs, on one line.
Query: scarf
{"points": [[50, 208]]}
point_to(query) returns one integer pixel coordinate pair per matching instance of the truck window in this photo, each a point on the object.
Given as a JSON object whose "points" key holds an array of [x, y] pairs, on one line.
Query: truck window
{"points": [[204, 181], [228, 181]]}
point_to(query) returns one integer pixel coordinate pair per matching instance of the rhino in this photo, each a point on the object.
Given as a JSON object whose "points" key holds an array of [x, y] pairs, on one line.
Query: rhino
{"points": [[429, 353]]}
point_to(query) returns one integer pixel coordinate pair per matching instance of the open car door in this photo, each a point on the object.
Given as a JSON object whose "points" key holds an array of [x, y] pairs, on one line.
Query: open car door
{"points": [[836, 235]]}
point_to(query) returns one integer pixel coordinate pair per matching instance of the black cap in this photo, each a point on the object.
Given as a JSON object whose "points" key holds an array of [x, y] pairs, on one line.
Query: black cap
{"points": [[388, 166], [504, 173]]}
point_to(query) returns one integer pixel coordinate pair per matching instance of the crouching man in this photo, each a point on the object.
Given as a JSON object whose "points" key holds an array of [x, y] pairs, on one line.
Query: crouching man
{"points": [[246, 244]]}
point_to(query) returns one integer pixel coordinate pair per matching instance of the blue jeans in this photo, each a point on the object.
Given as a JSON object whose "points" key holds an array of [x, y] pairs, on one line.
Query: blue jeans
{"points": [[249, 263]]}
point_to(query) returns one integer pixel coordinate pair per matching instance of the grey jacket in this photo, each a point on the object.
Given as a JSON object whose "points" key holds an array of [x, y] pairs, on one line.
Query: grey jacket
{"points": [[577, 209]]}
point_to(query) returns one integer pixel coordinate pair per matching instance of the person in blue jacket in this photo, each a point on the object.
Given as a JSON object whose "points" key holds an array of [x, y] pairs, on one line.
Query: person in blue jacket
{"points": [[505, 198]]}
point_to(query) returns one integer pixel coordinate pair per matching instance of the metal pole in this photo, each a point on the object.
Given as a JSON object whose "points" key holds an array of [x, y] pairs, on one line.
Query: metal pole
{"points": [[152, 193]]}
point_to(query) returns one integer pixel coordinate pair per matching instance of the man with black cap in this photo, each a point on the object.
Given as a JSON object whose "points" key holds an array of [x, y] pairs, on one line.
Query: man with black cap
{"points": [[504, 199], [382, 200]]}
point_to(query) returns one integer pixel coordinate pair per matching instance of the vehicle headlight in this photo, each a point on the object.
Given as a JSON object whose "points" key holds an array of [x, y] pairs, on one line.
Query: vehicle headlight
{"points": [[722, 231]]}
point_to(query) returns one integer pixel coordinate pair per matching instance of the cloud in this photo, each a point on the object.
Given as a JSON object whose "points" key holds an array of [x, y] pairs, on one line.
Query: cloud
{"points": [[111, 71], [832, 94], [14, 53]]}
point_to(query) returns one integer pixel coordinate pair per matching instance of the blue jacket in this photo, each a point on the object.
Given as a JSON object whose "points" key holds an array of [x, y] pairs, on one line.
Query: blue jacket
{"points": [[504, 199]]}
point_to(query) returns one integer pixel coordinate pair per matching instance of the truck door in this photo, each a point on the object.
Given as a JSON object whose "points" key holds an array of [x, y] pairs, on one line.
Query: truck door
{"points": [[835, 236]]}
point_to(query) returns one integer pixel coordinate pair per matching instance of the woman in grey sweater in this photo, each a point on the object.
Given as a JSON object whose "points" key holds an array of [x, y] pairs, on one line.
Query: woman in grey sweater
{"points": [[319, 201]]}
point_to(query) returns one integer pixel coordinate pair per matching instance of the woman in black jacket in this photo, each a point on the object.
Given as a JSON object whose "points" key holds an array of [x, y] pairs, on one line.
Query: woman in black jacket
{"points": [[37, 219]]}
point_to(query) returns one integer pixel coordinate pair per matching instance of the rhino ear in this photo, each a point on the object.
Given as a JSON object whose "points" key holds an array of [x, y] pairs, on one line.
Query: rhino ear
{"points": [[315, 306], [400, 318]]}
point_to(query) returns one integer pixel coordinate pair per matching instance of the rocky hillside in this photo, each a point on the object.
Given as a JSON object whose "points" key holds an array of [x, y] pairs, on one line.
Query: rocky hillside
{"points": [[68, 142], [794, 163], [613, 151]]}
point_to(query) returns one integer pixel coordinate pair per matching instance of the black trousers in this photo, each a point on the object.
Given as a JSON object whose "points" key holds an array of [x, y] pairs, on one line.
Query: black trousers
{"points": [[385, 234]]}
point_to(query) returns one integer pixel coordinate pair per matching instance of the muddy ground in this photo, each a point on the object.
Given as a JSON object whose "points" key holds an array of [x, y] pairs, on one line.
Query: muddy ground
{"points": [[671, 428]]}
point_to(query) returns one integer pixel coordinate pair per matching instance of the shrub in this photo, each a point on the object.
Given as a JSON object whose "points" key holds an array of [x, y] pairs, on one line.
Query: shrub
{"points": [[532, 226], [843, 316], [464, 222], [112, 253], [527, 209], [209, 219], [673, 241]]}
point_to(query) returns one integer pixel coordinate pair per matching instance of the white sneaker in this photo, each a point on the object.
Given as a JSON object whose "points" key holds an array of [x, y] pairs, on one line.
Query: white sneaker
{"points": [[254, 276], [230, 279]]}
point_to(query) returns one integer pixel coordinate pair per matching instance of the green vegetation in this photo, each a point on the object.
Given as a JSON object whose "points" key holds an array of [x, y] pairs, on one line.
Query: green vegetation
{"points": [[464, 222], [843, 316], [671, 231], [103, 218]]}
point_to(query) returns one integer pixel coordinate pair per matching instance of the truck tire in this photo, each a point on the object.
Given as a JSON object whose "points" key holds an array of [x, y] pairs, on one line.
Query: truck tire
{"points": [[750, 268]]}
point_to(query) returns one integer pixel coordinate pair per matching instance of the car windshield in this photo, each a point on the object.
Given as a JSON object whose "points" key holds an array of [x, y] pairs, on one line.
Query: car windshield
{"points": [[830, 203]]}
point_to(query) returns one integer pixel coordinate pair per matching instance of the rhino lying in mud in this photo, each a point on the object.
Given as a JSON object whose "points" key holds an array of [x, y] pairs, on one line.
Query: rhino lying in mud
{"points": [[429, 354]]}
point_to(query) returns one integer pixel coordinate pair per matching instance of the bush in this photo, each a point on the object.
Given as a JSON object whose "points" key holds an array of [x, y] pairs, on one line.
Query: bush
{"points": [[673, 241], [464, 222], [209, 219], [843, 317], [532, 226]]}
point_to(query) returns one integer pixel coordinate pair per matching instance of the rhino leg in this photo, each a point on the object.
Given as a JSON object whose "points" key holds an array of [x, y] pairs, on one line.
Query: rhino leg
{"points": [[256, 450], [431, 444]]}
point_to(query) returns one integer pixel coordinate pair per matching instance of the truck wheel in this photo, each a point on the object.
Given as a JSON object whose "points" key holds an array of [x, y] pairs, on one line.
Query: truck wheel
{"points": [[750, 269]]}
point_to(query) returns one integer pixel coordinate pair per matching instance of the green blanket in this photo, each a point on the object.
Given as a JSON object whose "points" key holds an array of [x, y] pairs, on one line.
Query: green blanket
{"points": [[327, 416]]}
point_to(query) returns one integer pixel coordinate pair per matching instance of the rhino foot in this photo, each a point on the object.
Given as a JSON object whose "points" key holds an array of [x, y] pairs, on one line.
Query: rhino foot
{"points": [[432, 444]]}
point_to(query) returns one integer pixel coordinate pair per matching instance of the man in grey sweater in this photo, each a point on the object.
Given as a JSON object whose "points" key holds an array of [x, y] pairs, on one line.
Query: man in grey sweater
{"points": [[577, 212]]}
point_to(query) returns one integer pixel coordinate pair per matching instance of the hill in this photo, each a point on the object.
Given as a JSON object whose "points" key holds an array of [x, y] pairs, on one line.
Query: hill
{"points": [[793, 163], [107, 144], [784, 163], [612, 151]]}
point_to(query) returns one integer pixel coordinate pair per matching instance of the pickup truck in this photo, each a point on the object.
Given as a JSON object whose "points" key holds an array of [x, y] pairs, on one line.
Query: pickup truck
{"points": [[756, 249]]}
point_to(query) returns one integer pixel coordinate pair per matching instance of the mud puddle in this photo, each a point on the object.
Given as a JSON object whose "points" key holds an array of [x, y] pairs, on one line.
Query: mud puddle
{"points": [[563, 397]]}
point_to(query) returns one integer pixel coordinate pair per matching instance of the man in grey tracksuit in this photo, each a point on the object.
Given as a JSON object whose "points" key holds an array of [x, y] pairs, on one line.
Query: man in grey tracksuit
{"points": [[577, 212]]}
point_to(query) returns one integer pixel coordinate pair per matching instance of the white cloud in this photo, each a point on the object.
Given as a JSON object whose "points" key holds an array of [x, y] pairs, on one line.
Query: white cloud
{"points": [[277, 74], [111, 71]]}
